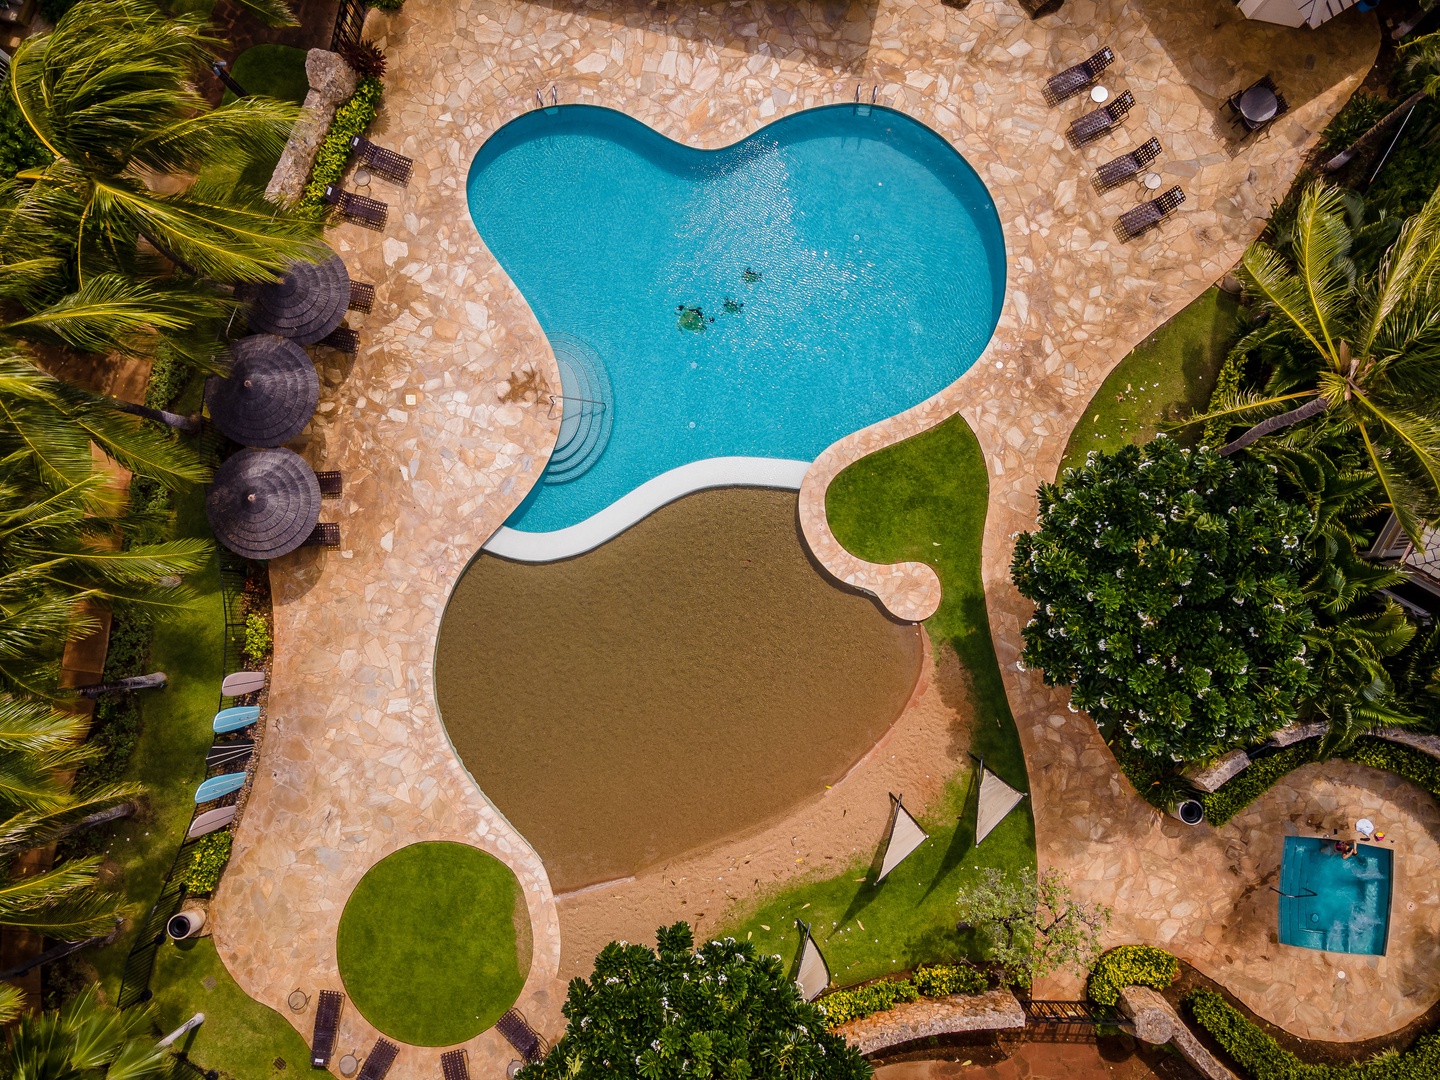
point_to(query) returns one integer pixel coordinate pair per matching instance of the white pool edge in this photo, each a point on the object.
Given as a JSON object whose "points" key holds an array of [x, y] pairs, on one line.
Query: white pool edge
{"points": [[636, 505]]}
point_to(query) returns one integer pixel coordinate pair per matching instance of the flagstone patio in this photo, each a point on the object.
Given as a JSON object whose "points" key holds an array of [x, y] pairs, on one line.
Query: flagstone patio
{"points": [[440, 432]]}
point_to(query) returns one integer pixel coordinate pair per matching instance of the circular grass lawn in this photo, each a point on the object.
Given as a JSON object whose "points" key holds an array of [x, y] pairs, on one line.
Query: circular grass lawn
{"points": [[434, 943]]}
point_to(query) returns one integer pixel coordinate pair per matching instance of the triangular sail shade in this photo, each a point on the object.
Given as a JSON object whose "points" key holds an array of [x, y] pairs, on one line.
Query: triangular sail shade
{"points": [[997, 799], [814, 974], [905, 836]]}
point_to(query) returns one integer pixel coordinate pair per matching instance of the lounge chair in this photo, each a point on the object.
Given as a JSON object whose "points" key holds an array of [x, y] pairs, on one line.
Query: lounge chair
{"points": [[342, 339], [239, 683], [1253, 124], [211, 821], [519, 1034], [361, 209], [454, 1065], [1076, 79], [362, 297], [233, 754], [217, 787], [1147, 215], [332, 483], [1096, 123], [327, 1024], [326, 534], [1126, 167], [387, 163], [235, 718], [379, 1060]]}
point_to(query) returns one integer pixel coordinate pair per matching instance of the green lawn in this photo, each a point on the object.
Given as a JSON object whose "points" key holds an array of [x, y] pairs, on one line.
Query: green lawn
{"points": [[1168, 376], [276, 71], [922, 500], [428, 946]]}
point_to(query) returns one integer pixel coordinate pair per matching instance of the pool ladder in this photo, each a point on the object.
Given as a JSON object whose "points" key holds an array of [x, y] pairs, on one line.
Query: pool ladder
{"points": [[554, 99], [861, 107]]}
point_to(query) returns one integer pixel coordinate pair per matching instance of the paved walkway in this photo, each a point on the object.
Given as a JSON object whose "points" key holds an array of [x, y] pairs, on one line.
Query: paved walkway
{"points": [[436, 452]]}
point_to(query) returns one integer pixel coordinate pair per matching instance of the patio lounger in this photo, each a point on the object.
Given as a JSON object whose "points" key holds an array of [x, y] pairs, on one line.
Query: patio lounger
{"points": [[1147, 215], [332, 483], [211, 821], [454, 1065], [1073, 80], [217, 787], [362, 297], [233, 754], [379, 1060], [387, 163], [235, 718], [521, 1036], [343, 339], [327, 1024], [1096, 123], [326, 534], [1126, 167], [361, 209], [238, 683]]}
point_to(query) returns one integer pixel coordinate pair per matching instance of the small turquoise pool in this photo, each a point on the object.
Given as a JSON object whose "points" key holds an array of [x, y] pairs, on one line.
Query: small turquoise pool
{"points": [[1333, 903], [756, 302]]}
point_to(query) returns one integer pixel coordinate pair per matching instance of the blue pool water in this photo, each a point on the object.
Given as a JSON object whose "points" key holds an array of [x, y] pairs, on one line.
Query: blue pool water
{"points": [[1349, 911], [876, 270]]}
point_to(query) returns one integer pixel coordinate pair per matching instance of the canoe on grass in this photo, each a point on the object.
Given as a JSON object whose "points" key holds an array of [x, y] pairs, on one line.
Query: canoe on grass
{"points": [[242, 682], [211, 821], [241, 716], [217, 787]]}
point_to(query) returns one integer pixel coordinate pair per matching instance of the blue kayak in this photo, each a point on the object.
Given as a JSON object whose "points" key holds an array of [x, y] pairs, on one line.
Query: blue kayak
{"points": [[217, 787], [233, 719]]}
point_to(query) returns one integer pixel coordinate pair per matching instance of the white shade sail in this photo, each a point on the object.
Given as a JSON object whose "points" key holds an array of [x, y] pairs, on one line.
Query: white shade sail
{"points": [[905, 836], [814, 975], [997, 799]]}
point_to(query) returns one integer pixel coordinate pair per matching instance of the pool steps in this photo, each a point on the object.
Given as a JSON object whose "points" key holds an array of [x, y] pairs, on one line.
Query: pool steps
{"points": [[587, 404]]}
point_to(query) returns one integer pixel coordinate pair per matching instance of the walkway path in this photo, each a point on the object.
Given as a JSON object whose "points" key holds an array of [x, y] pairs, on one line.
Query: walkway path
{"points": [[436, 457]]}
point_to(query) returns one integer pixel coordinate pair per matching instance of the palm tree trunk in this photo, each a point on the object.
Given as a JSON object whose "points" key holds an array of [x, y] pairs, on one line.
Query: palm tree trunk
{"points": [[1314, 407], [188, 424], [1340, 160]]}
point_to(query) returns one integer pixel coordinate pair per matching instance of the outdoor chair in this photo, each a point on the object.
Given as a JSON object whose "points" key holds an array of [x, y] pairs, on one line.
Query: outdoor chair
{"points": [[342, 339], [387, 163], [332, 483], [1126, 167], [362, 297], [326, 534], [519, 1034], [1147, 215], [327, 1024], [379, 1060], [1076, 79], [1096, 123], [360, 209], [1263, 86], [454, 1065]]}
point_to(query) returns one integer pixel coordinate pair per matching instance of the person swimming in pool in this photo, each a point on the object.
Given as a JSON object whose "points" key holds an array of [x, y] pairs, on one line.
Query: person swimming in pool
{"points": [[1345, 848]]}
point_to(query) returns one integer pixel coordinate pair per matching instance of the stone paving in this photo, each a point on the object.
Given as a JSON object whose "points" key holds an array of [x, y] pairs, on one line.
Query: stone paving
{"points": [[439, 430]]}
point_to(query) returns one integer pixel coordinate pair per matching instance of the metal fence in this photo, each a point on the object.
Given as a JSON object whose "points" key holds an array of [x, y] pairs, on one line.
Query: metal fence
{"points": [[349, 21]]}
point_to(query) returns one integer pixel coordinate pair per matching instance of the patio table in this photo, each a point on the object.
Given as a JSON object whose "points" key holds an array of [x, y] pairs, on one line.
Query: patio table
{"points": [[1258, 104]]}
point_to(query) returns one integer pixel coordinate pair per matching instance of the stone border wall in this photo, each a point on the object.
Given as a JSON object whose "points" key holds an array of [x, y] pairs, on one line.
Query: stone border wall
{"points": [[994, 1010], [1212, 776], [332, 81], [1155, 1021]]}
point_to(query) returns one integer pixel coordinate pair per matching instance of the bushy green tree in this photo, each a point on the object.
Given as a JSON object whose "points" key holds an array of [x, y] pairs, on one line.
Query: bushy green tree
{"points": [[1167, 597], [677, 1012], [1032, 925]]}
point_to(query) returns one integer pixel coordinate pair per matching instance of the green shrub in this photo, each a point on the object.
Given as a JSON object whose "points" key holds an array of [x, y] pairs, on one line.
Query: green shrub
{"points": [[1419, 768], [1227, 384], [1258, 777], [211, 855], [1131, 965], [858, 1001], [387, 5], [257, 638], [351, 119], [941, 980], [1356, 117], [169, 375], [19, 149], [1263, 1058]]}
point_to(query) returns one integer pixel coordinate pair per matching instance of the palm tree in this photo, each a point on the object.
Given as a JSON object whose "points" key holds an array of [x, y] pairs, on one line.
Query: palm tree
{"points": [[1422, 66], [87, 242], [1361, 354], [86, 1038]]}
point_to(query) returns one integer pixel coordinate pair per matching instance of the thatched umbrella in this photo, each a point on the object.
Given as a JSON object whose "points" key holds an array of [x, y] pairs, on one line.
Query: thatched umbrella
{"points": [[306, 304], [263, 503], [269, 395]]}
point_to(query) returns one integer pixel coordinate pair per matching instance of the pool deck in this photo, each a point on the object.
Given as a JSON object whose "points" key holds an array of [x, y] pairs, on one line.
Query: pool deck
{"points": [[440, 432]]}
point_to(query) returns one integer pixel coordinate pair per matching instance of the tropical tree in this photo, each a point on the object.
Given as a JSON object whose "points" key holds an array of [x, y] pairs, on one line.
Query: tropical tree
{"points": [[1032, 924], [1420, 67], [121, 237], [677, 1012], [1361, 354], [85, 1038], [1167, 597]]}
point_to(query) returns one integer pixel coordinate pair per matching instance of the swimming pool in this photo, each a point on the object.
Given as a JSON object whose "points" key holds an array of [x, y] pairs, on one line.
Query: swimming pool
{"points": [[724, 316], [1333, 903]]}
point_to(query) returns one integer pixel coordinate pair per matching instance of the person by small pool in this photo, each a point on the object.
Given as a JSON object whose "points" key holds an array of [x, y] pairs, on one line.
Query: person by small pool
{"points": [[1345, 848]]}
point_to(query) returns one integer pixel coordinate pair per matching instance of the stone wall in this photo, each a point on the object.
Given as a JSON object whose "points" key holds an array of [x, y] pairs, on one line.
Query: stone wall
{"points": [[1155, 1021], [1211, 776], [331, 82], [994, 1010]]}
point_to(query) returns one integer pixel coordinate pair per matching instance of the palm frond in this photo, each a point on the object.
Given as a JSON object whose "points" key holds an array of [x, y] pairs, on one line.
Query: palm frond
{"points": [[1269, 278]]}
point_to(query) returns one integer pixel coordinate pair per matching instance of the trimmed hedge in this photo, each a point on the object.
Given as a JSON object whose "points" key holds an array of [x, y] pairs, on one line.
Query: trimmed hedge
{"points": [[1419, 768], [940, 980], [1131, 965], [211, 855], [351, 119], [1264, 1059]]}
